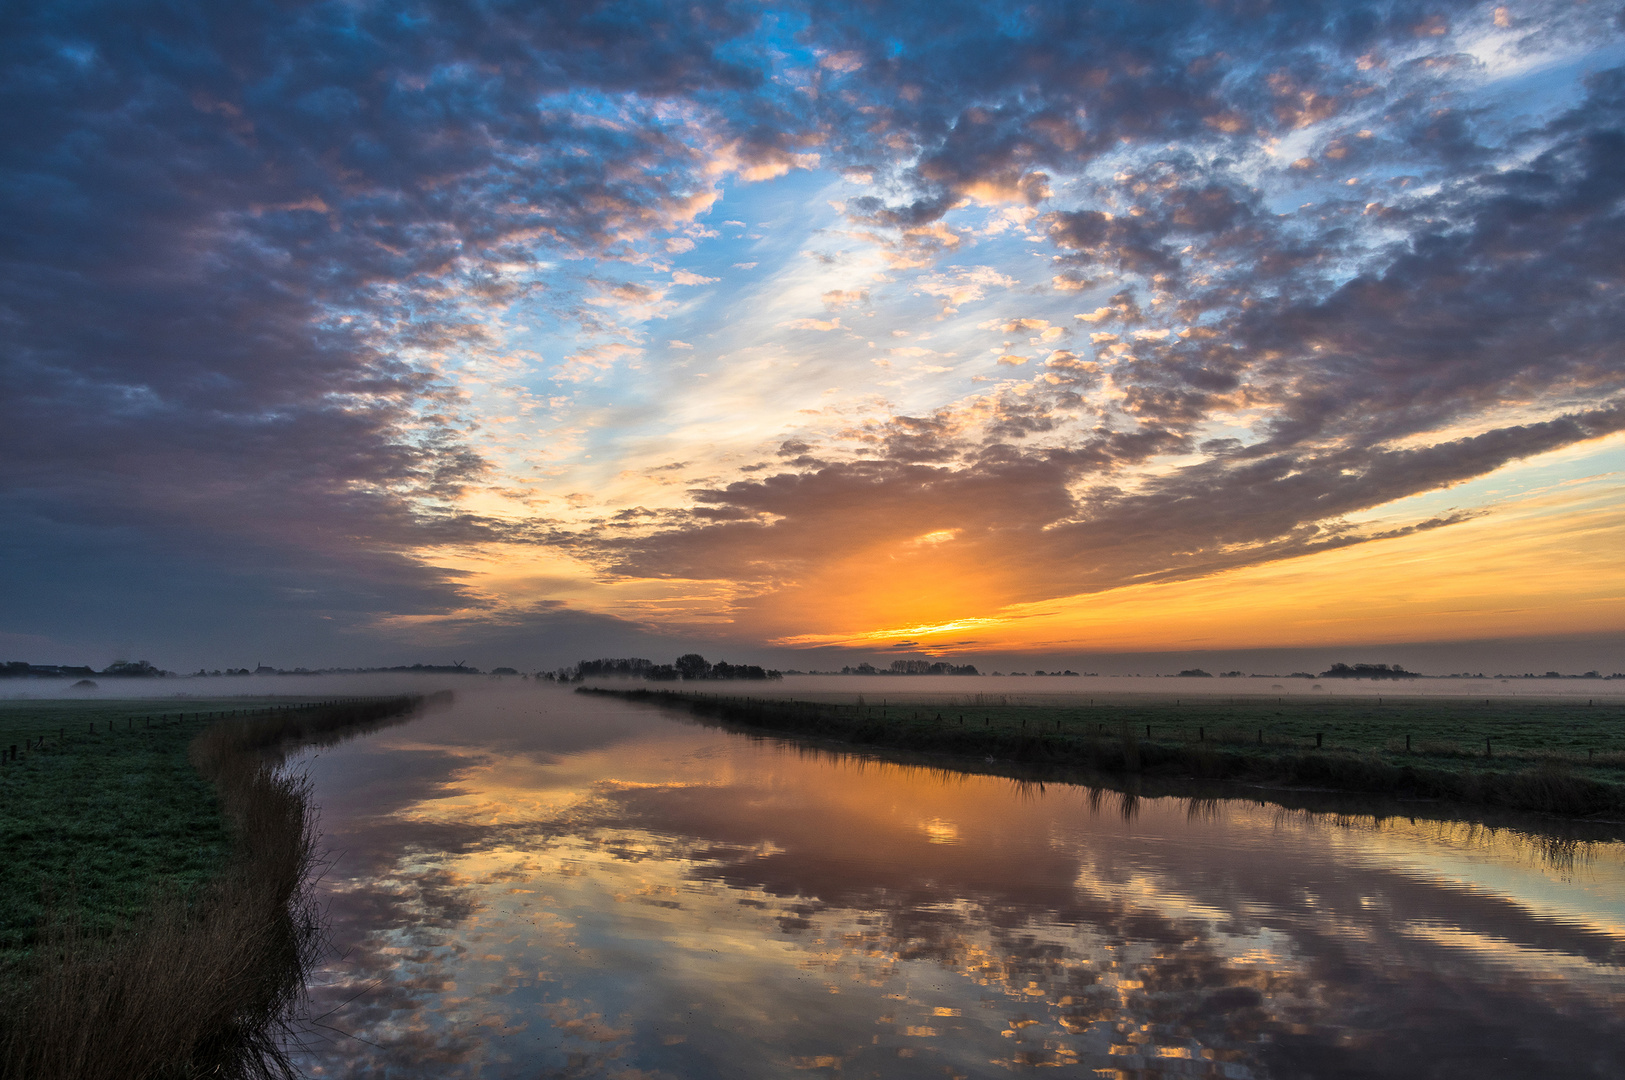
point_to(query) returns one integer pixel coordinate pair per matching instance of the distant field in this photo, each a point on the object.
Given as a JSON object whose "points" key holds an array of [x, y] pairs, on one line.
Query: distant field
{"points": [[97, 819], [1574, 730]]}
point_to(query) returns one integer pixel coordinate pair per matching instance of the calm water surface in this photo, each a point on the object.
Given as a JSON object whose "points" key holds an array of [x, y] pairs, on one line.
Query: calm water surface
{"points": [[534, 884]]}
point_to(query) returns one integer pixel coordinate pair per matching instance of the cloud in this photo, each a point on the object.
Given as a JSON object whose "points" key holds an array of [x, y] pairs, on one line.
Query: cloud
{"points": [[849, 60], [836, 299], [1012, 507], [268, 234], [1351, 426], [1121, 307], [1015, 326], [630, 299], [962, 285], [275, 278], [581, 363]]}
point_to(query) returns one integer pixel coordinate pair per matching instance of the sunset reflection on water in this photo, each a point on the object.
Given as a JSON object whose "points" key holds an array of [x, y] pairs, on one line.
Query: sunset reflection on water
{"points": [[537, 884]]}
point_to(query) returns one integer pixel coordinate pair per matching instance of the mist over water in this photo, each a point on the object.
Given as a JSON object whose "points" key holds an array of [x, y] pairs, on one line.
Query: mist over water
{"points": [[1064, 689], [1025, 689], [531, 883], [222, 687]]}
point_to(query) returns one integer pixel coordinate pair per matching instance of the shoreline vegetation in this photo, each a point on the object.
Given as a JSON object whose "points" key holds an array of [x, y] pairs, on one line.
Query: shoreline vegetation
{"points": [[172, 975], [1374, 751]]}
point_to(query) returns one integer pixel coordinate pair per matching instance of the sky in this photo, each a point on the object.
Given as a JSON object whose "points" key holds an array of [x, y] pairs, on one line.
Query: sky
{"points": [[516, 333]]}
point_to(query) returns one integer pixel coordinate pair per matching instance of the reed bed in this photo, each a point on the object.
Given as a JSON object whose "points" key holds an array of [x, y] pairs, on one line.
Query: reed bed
{"points": [[203, 984]]}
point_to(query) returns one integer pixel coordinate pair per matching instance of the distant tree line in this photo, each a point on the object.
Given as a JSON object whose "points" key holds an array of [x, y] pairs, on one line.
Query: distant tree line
{"points": [[118, 669], [429, 669], [1336, 671], [913, 667], [142, 669], [630, 667], [1368, 671], [688, 667]]}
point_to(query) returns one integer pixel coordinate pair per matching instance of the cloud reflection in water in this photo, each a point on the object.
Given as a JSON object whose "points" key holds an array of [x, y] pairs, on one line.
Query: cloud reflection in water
{"points": [[580, 888]]}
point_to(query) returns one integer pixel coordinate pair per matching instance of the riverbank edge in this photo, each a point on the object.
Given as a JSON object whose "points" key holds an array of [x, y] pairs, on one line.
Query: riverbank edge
{"points": [[204, 984], [1543, 789]]}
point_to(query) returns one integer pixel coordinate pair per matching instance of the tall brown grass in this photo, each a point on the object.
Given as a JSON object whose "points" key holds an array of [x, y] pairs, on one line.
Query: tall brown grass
{"points": [[205, 985]]}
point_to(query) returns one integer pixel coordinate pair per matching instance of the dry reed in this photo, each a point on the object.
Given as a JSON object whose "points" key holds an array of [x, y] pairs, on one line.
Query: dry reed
{"points": [[206, 985]]}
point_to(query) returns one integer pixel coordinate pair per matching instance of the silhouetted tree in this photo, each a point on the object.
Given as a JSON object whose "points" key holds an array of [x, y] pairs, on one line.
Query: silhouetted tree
{"points": [[1368, 671], [692, 666], [140, 669]]}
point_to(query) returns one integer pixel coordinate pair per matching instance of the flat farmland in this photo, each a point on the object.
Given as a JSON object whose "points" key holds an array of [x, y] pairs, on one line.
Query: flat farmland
{"points": [[100, 808]]}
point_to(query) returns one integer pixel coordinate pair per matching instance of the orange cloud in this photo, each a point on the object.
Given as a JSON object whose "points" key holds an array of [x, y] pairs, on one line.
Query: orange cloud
{"points": [[1551, 563]]}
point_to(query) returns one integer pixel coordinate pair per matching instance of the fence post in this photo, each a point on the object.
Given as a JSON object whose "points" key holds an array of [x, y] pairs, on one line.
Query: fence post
{"points": [[1318, 737]]}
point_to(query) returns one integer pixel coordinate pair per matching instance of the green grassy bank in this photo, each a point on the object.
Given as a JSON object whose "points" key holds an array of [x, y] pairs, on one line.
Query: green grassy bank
{"points": [[1553, 757], [155, 915]]}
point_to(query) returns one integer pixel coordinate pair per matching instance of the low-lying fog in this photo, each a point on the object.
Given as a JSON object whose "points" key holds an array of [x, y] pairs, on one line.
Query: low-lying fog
{"points": [[1015, 689]]}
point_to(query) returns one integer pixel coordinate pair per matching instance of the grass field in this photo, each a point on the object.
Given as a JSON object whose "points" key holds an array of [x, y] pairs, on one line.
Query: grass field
{"points": [[1560, 756], [106, 812], [157, 909], [1580, 732]]}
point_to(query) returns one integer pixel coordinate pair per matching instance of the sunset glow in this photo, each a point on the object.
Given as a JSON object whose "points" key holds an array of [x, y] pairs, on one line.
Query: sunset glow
{"points": [[341, 335]]}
